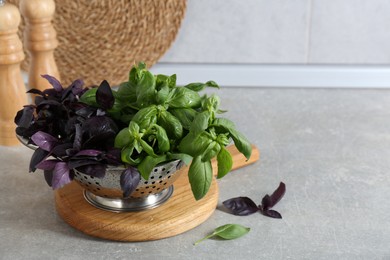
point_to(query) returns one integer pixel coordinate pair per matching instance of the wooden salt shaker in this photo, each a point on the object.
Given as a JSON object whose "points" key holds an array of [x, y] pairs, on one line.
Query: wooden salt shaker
{"points": [[40, 40], [12, 89]]}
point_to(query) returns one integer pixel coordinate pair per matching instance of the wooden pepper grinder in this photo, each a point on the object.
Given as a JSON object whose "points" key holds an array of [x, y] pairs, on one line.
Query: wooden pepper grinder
{"points": [[12, 89], [40, 40]]}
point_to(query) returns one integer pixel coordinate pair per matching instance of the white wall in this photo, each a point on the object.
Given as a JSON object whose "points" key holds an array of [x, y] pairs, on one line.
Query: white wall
{"points": [[284, 32]]}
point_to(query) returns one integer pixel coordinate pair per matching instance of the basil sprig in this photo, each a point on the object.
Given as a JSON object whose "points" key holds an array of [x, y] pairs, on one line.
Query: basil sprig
{"points": [[162, 121], [228, 232]]}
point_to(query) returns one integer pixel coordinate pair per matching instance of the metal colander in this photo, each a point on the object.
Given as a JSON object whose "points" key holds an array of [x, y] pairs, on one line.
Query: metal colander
{"points": [[106, 193], [161, 177]]}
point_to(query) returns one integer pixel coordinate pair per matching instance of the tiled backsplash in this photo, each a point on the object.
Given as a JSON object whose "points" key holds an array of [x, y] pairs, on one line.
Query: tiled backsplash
{"points": [[284, 32]]}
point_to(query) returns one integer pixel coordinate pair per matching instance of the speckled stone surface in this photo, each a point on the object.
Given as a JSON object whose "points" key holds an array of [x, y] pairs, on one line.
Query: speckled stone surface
{"points": [[330, 146]]}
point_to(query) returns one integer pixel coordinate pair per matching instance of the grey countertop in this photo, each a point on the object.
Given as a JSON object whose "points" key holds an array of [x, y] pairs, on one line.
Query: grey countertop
{"points": [[330, 146]]}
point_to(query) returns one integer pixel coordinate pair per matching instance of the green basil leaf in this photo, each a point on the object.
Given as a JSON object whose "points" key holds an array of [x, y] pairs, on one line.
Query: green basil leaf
{"points": [[231, 231], [133, 75], [172, 81], [225, 162], [200, 175], [200, 123], [224, 122], [126, 93], [137, 146], [123, 138], [89, 97], [146, 89], [147, 148], [162, 139], [200, 86], [211, 103], [133, 129], [195, 145], [242, 144], [162, 95], [161, 81], [171, 124], [146, 117], [126, 156], [228, 231], [184, 98], [211, 151], [181, 156], [148, 163], [185, 115]]}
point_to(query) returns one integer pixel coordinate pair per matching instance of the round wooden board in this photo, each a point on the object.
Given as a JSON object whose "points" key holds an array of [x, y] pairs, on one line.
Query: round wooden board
{"points": [[179, 214]]}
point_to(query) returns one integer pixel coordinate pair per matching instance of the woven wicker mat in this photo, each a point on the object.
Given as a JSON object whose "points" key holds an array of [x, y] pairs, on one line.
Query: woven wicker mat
{"points": [[102, 39]]}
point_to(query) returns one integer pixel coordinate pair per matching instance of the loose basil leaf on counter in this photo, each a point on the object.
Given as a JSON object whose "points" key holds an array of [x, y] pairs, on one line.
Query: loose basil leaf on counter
{"points": [[228, 232], [270, 201], [243, 206]]}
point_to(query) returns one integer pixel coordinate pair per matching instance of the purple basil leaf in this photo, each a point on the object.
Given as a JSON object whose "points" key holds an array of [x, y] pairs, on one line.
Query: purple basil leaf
{"points": [[44, 140], [100, 112], [24, 117], [77, 87], [48, 177], [272, 213], [60, 150], [46, 102], [35, 91], [113, 156], [90, 153], [129, 180], [77, 137], [278, 194], [99, 132], [99, 124], [241, 206], [265, 203], [38, 100], [86, 112], [95, 170], [80, 163], [47, 165], [71, 152], [38, 155], [53, 81], [104, 96], [51, 93], [61, 175]]}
